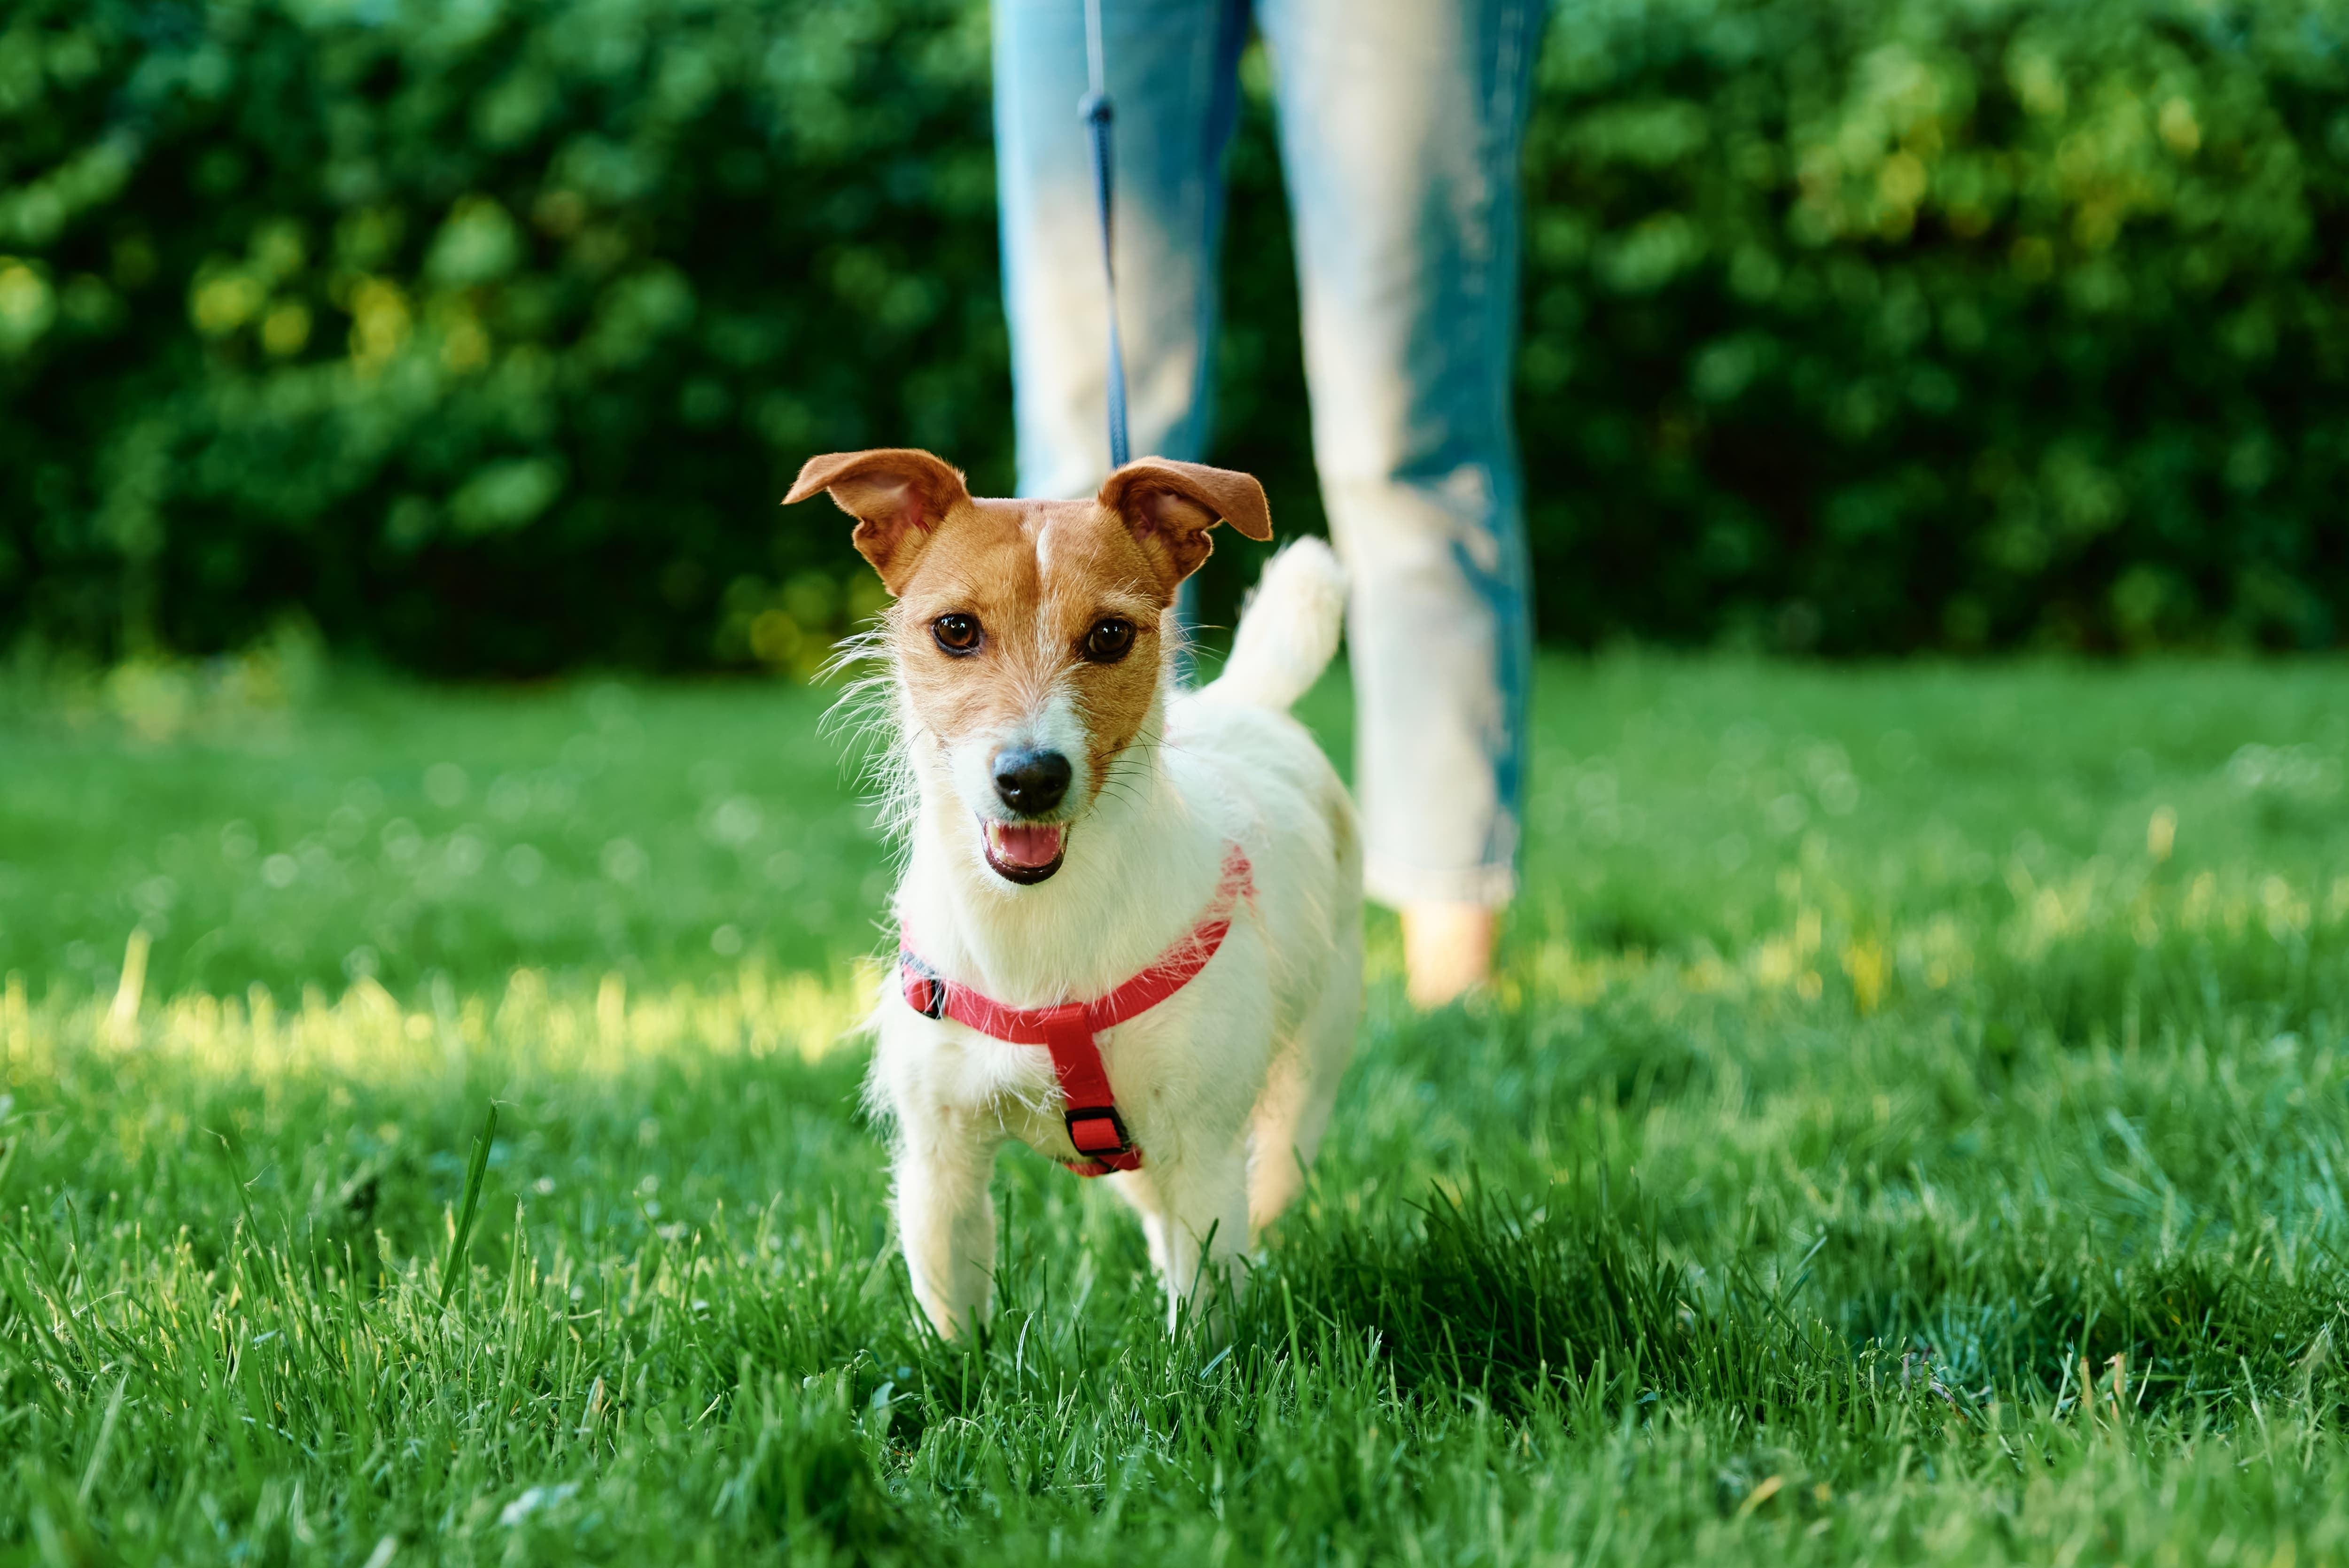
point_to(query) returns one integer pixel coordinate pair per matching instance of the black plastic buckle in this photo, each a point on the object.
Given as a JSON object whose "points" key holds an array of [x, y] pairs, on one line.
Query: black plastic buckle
{"points": [[1100, 1113], [927, 993]]}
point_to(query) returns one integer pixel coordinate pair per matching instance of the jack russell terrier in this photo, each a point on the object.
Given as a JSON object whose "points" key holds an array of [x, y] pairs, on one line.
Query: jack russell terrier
{"points": [[1130, 916]]}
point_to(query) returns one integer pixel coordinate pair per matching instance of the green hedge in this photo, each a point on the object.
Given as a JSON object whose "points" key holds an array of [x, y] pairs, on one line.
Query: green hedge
{"points": [[1863, 326], [487, 334]]}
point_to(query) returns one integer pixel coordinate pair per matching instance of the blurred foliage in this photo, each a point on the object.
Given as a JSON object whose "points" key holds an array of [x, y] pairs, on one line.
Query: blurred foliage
{"points": [[1857, 326], [489, 333], [486, 333]]}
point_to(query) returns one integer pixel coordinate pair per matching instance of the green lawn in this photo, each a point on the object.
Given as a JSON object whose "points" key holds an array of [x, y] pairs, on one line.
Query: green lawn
{"points": [[1882, 1054]]}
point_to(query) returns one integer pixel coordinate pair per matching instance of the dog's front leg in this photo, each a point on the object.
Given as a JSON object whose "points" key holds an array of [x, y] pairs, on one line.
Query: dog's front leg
{"points": [[1197, 1213], [946, 1216]]}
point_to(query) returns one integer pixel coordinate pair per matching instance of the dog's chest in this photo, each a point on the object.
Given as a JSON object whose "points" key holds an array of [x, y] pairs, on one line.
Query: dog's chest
{"points": [[1191, 1059]]}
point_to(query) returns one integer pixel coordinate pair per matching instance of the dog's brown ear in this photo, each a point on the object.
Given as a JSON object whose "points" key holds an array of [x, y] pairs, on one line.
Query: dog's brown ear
{"points": [[1169, 506], [898, 496]]}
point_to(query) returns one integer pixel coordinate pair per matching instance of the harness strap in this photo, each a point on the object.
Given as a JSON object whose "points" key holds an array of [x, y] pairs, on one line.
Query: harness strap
{"points": [[1070, 1031]]}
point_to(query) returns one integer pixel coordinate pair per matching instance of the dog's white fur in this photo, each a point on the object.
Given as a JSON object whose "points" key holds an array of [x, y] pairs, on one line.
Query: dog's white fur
{"points": [[1228, 1085]]}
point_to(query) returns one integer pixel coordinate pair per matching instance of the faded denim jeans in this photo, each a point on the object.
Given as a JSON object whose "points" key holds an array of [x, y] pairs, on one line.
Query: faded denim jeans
{"points": [[1400, 124]]}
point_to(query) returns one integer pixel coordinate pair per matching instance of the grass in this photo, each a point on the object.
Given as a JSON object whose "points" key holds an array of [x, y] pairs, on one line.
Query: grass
{"points": [[1913, 1126]]}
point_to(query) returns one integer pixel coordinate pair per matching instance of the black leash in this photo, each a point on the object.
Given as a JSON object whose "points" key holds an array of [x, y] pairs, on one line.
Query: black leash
{"points": [[1097, 115]]}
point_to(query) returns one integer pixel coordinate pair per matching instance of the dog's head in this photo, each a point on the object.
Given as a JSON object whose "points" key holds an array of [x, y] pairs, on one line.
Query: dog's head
{"points": [[1030, 637]]}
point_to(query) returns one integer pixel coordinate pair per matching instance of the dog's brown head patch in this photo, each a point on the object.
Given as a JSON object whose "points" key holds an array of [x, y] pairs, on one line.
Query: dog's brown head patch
{"points": [[1032, 623]]}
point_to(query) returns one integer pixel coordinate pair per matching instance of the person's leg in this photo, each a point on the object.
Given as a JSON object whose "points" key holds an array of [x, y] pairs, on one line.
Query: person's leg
{"points": [[1171, 76], [1402, 122]]}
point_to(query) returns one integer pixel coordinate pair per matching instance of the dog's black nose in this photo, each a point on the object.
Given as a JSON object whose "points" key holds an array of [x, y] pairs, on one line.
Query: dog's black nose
{"points": [[1030, 782]]}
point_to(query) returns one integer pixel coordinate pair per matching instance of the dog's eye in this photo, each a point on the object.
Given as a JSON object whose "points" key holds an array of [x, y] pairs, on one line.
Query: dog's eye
{"points": [[957, 635], [1108, 641]]}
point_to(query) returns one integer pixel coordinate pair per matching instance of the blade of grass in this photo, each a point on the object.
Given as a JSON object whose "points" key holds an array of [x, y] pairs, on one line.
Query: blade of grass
{"points": [[471, 1203], [105, 1437]]}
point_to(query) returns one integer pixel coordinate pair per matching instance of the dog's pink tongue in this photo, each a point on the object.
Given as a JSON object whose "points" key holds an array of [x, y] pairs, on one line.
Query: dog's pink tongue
{"points": [[1019, 845]]}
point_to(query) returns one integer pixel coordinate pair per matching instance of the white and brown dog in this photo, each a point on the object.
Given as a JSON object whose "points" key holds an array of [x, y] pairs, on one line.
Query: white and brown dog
{"points": [[1131, 914]]}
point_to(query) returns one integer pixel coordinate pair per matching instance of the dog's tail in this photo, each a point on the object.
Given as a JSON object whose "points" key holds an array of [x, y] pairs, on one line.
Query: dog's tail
{"points": [[1289, 628]]}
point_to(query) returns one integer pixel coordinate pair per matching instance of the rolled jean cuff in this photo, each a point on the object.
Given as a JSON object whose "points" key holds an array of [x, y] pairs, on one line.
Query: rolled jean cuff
{"points": [[1395, 884]]}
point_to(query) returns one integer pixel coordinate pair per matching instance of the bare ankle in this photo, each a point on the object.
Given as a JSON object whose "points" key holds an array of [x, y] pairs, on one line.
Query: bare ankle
{"points": [[1447, 949]]}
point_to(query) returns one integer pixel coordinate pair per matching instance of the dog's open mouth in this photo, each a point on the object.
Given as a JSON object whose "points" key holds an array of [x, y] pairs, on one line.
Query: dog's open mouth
{"points": [[1025, 851]]}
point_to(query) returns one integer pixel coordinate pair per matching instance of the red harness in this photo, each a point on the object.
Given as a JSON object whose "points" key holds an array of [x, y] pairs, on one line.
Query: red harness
{"points": [[1069, 1031]]}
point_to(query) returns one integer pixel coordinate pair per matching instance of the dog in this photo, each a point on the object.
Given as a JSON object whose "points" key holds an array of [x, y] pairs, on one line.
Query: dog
{"points": [[1130, 913]]}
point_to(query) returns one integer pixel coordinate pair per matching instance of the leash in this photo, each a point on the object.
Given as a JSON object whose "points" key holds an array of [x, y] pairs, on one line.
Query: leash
{"points": [[1071, 1031], [1095, 110]]}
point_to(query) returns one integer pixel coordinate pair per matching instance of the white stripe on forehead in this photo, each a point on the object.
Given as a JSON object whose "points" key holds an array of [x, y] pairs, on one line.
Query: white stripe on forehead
{"points": [[1094, 570], [1042, 535], [1043, 547]]}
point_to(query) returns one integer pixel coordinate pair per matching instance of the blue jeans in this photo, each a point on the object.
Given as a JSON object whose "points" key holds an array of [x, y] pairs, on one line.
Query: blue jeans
{"points": [[1401, 123]]}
